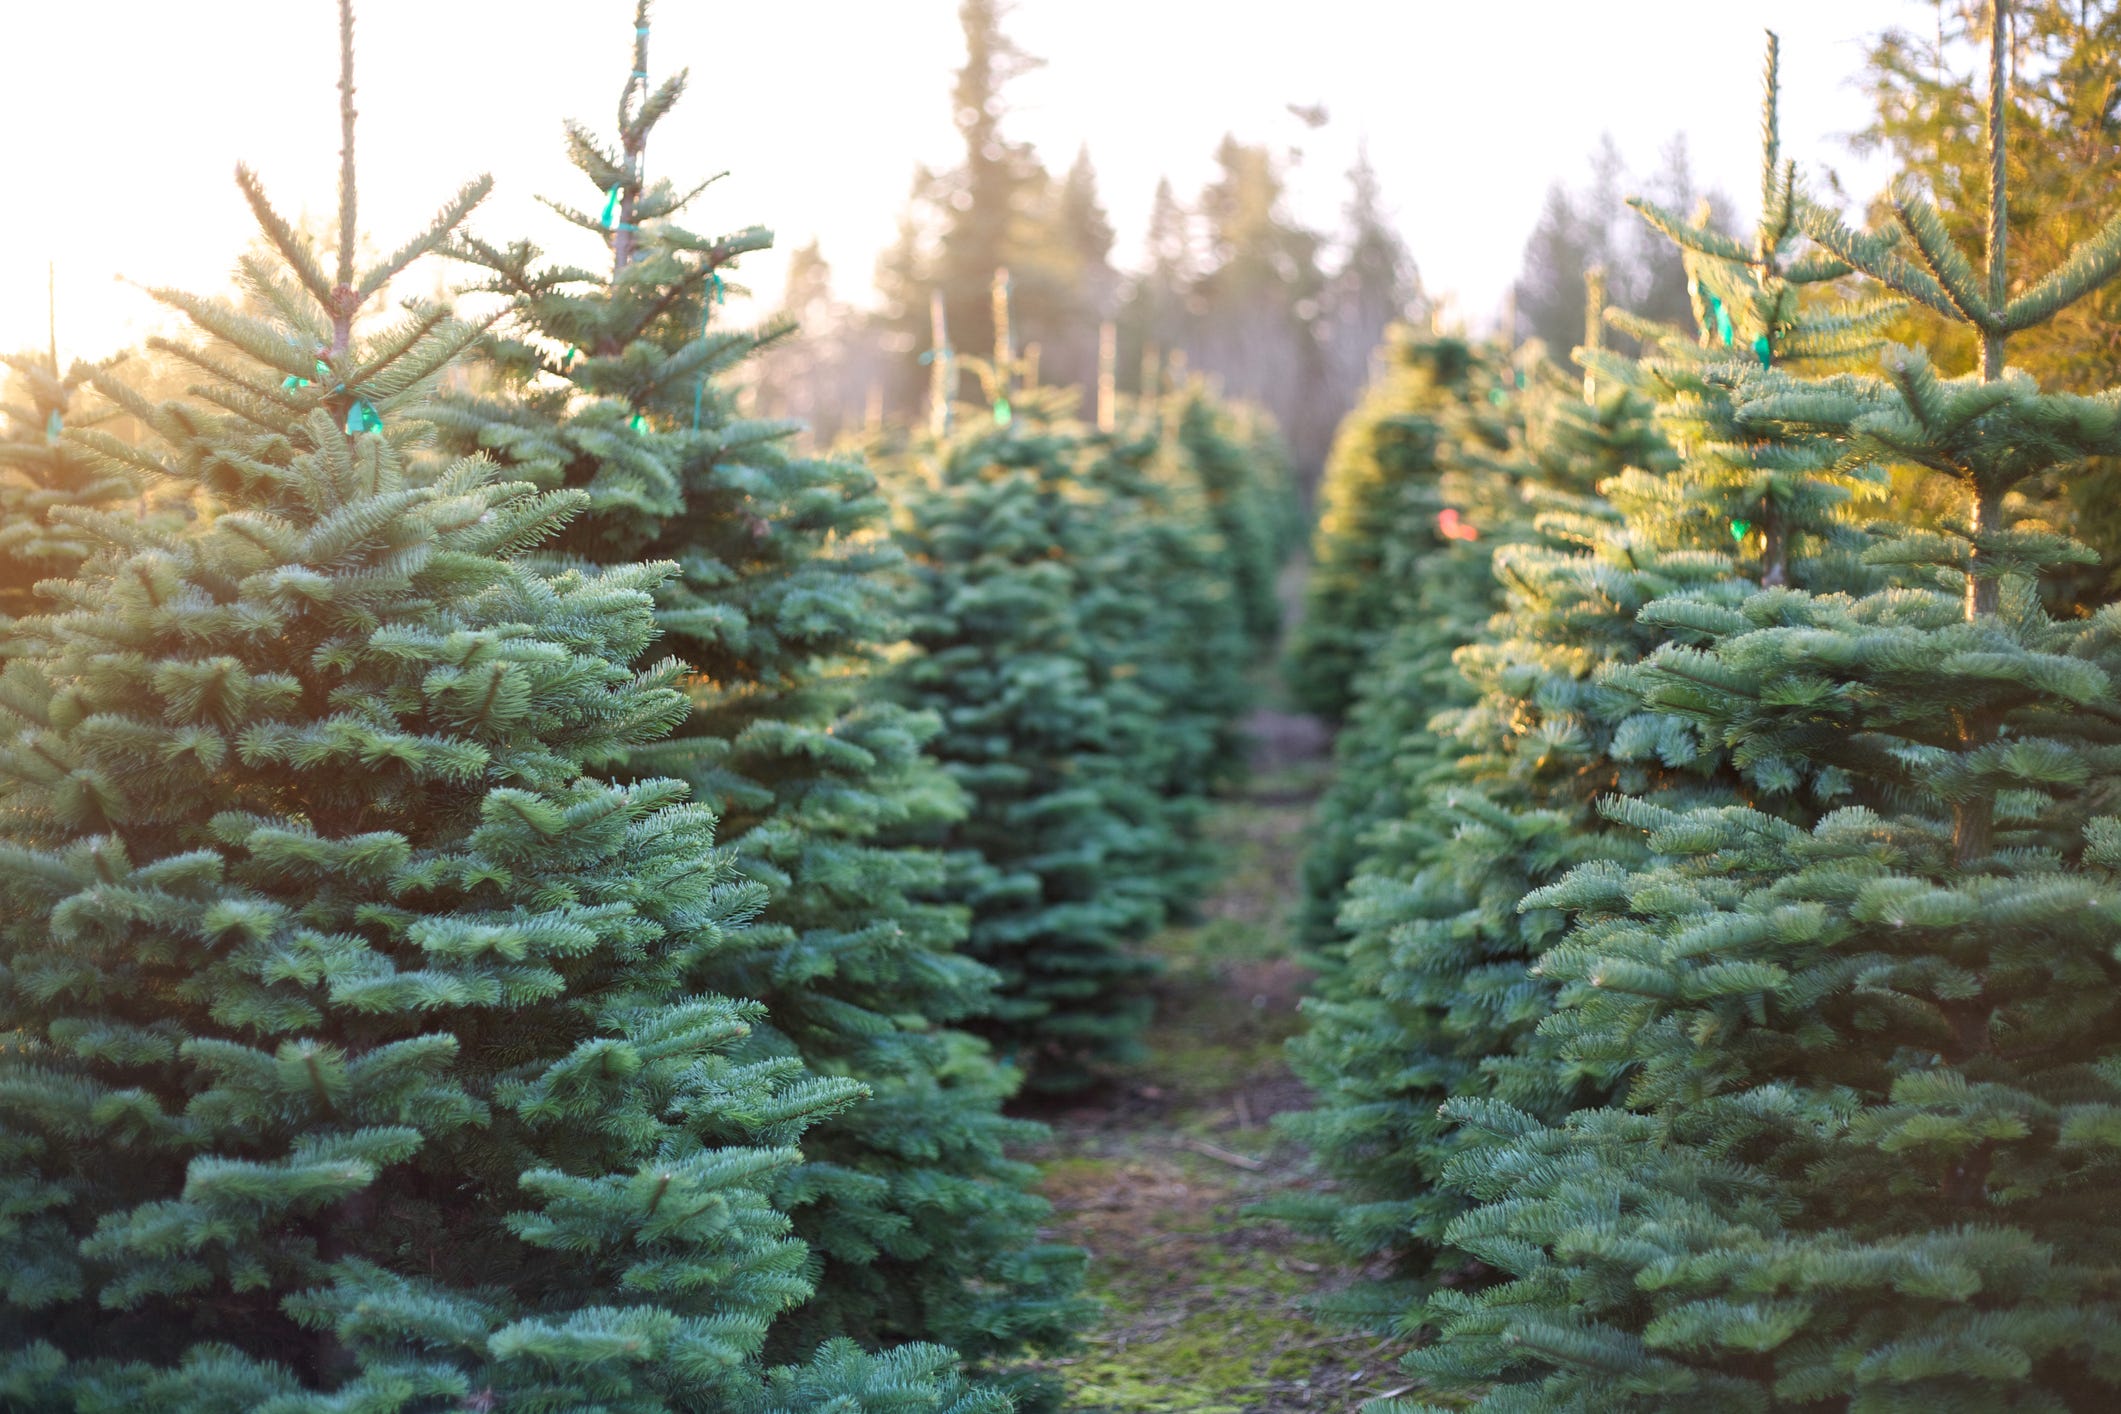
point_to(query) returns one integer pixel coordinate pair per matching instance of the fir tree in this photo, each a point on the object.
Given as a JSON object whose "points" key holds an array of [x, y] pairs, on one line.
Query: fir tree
{"points": [[1445, 979], [40, 470], [1433, 594], [1386, 446], [618, 383], [1162, 609], [1870, 1119], [2064, 138], [1243, 470], [1081, 635], [1084, 643], [1026, 653], [353, 1059], [1467, 809]]}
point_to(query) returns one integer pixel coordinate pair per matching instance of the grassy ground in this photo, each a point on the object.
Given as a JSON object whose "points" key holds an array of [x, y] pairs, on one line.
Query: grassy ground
{"points": [[1206, 1312]]}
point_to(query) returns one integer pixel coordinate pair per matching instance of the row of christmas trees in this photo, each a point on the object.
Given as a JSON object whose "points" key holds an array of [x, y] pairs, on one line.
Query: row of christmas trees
{"points": [[521, 889], [1720, 900]]}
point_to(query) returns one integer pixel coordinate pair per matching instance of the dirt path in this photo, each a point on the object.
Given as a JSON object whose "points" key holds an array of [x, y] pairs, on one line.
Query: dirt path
{"points": [[1206, 1312]]}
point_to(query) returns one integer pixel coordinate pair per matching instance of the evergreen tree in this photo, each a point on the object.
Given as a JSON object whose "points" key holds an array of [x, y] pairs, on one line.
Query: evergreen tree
{"points": [[1155, 318], [1374, 285], [1065, 284], [1082, 637], [999, 208], [1869, 1125], [2065, 155], [1005, 541], [1258, 302], [1368, 523], [1244, 472], [617, 382], [1586, 228], [1160, 614], [352, 1058], [1464, 811], [1446, 976], [40, 470], [1434, 593]]}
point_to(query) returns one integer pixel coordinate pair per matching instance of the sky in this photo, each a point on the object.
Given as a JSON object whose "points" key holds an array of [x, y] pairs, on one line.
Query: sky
{"points": [[820, 110]]}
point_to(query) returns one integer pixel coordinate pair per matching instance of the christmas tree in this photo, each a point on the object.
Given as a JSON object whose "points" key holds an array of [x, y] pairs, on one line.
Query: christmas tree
{"points": [[1367, 529], [1251, 493], [1444, 483], [1436, 1000], [41, 470], [1463, 808], [617, 381], [1871, 1071], [354, 1058], [1928, 116], [1005, 537], [1164, 601], [1078, 615]]}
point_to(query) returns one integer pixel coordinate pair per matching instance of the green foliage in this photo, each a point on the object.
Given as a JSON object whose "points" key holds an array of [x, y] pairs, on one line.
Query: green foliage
{"points": [[619, 384], [1374, 521], [1865, 1012], [2064, 113], [354, 1057], [1244, 471], [1080, 635], [1444, 979], [1438, 474], [42, 470]]}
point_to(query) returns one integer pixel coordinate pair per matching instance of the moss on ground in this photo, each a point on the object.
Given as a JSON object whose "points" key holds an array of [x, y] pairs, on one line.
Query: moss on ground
{"points": [[1205, 1314], [1208, 1312]]}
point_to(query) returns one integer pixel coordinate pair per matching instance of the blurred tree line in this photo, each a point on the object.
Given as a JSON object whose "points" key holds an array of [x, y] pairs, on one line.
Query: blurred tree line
{"points": [[1590, 224], [1231, 283]]}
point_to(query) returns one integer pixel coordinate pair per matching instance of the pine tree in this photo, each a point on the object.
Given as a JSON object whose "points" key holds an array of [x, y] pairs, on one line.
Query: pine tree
{"points": [[618, 383], [998, 535], [1445, 977], [1367, 528], [998, 208], [1586, 228], [1434, 593], [1063, 276], [1154, 318], [353, 1059], [1870, 1120], [2065, 119], [1257, 303], [1374, 285], [41, 470]]}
